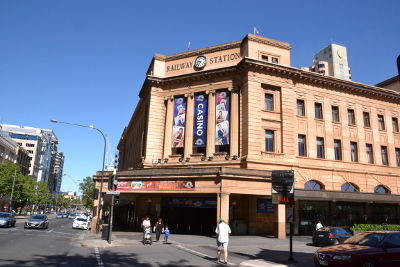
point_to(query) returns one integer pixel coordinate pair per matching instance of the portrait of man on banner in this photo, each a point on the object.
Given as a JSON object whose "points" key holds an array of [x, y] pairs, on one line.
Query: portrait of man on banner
{"points": [[222, 133], [178, 136], [178, 129]]}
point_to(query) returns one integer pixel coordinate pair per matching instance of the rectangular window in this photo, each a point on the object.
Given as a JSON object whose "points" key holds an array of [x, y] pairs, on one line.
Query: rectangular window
{"points": [[269, 102], [366, 119], [264, 58], [320, 148], [351, 117], [353, 151], [398, 156], [300, 107], [274, 60], [395, 125], [384, 155], [338, 149], [318, 110], [302, 145], [269, 141], [30, 151], [335, 114], [381, 122], [29, 145], [370, 154]]}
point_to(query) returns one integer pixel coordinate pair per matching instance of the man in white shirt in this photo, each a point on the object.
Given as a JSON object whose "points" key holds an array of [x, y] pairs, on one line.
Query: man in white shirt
{"points": [[223, 231], [319, 225]]}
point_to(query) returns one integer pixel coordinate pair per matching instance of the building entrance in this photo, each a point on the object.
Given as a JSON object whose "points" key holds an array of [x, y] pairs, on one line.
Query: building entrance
{"points": [[190, 215], [190, 220]]}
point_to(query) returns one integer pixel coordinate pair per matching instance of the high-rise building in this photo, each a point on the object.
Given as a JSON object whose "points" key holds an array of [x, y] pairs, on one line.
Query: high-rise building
{"points": [[41, 145], [332, 61]]}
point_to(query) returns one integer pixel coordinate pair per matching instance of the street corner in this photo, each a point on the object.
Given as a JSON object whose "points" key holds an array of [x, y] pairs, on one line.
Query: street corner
{"points": [[264, 263]]}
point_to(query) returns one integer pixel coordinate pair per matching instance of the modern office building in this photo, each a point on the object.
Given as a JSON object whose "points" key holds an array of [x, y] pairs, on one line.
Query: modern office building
{"points": [[212, 123], [332, 61], [41, 145]]}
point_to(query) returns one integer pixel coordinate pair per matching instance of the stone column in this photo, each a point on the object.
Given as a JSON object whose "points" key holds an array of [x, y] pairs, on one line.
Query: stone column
{"points": [[189, 120], [210, 147], [234, 127], [168, 126], [280, 221], [223, 206]]}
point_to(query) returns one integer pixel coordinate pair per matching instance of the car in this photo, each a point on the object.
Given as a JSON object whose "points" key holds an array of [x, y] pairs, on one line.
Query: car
{"points": [[37, 221], [81, 223], [365, 249], [60, 216], [71, 216], [329, 235], [7, 219], [65, 215]]}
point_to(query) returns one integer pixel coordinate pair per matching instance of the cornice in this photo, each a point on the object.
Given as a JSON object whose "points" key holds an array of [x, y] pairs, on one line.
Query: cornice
{"points": [[298, 75], [312, 77], [267, 41], [196, 52]]}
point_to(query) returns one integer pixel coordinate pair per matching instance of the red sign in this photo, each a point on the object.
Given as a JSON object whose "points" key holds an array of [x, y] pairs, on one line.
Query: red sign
{"points": [[156, 185]]}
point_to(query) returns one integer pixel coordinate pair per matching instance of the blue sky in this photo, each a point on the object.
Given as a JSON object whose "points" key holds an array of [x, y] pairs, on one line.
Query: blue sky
{"points": [[84, 62]]}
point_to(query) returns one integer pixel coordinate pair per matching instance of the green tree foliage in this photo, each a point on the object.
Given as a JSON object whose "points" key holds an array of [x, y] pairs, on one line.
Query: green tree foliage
{"points": [[23, 185], [63, 201], [86, 187]]}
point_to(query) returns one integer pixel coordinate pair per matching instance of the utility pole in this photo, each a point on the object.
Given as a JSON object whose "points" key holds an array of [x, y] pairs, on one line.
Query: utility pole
{"points": [[12, 191]]}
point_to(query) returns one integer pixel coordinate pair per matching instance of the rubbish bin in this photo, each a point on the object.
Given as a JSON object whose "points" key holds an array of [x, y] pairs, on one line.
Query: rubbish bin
{"points": [[105, 231]]}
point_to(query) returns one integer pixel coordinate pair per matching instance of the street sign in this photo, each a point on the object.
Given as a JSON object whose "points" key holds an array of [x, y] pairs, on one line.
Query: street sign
{"points": [[109, 192], [282, 187], [289, 214]]}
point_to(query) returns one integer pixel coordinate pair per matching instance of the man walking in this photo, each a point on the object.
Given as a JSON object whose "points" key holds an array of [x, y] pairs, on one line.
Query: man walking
{"points": [[223, 231]]}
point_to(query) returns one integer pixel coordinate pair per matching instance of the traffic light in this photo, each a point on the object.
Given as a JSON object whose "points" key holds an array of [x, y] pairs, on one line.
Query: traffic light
{"points": [[112, 182], [116, 202], [95, 193]]}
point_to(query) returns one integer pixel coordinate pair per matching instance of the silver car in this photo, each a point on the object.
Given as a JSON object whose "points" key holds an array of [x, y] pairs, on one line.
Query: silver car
{"points": [[37, 221], [7, 219]]}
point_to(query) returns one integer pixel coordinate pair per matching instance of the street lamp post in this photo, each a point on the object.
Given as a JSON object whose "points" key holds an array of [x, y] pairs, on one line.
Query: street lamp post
{"points": [[102, 167]]}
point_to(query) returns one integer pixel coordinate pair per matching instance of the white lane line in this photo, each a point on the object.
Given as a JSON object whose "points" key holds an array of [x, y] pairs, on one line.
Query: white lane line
{"points": [[99, 261], [196, 252]]}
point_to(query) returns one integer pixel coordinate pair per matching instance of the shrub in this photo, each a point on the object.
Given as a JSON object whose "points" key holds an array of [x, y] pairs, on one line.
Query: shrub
{"points": [[375, 227]]}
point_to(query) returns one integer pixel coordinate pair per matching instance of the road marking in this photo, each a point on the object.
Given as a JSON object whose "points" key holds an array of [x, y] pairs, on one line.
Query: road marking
{"points": [[99, 261], [197, 253]]}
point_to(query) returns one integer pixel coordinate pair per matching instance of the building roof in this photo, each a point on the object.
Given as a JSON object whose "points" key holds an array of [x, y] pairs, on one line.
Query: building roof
{"points": [[389, 81]]}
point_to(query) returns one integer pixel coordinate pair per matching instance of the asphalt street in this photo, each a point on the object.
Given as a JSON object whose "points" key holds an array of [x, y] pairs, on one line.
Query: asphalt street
{"points": [[60, 245]]}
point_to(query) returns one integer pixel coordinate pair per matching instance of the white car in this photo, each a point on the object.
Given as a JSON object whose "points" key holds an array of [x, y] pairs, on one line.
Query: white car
{"points": [[81, 223]]}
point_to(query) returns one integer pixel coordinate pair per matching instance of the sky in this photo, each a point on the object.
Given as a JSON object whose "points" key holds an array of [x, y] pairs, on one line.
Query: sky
{"points": [[84, 62]]}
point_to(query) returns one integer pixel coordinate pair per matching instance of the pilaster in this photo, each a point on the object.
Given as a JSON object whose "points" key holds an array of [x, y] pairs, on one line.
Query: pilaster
{"points": [[189, 124], [210, 148]]}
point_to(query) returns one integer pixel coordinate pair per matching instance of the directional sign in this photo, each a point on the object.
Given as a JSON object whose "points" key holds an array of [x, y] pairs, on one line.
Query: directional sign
{"points": [[109, 192]]}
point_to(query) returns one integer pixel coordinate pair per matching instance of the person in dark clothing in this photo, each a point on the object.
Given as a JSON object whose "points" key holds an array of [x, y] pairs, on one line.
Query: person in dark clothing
{"points": [[158, 228]]}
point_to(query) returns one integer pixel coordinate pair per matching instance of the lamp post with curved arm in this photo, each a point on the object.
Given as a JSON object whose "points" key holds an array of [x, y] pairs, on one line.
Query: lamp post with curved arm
{"points": [[102, 167]]}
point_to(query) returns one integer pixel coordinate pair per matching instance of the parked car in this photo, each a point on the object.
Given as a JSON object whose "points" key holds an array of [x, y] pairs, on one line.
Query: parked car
{"points": [[37, 221], [365, 249], [72, 216], [7, 219], [65, 215], [330, 236], [81, 223], [60, 216]]}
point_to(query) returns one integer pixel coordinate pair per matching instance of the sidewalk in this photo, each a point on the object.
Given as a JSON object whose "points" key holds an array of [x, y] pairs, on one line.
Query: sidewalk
{"points": [[277, 257]]}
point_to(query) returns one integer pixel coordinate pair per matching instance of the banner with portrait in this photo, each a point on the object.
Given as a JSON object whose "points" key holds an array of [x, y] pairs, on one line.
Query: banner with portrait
{"points": [[178, 124], [200, 121], [222, 118]]}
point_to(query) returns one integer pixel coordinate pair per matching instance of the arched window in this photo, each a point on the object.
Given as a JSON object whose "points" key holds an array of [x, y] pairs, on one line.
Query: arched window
{"points": [[348, 187], [381, 190], [313, 185]]}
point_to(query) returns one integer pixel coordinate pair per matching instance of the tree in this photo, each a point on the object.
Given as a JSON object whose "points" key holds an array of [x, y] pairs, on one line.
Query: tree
{"points": [[10, 174], [87, 187]]}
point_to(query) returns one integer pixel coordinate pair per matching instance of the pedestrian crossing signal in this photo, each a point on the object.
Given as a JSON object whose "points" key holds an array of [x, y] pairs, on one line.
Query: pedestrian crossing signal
{"points": [[116, 202]]}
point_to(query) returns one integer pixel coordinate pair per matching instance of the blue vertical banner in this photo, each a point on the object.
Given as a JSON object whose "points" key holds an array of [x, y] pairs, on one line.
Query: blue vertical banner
{"points": [[222, 118], [200, 121], [179, 121]]}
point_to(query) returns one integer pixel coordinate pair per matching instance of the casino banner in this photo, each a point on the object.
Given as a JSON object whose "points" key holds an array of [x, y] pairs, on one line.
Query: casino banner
{"points": [[156, 185], [179, 121], [222, 118], [200, 121]]}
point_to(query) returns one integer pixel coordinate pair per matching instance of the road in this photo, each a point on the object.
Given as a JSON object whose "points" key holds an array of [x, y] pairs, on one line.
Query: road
{"points": [[54, 246], [60, 245]]}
